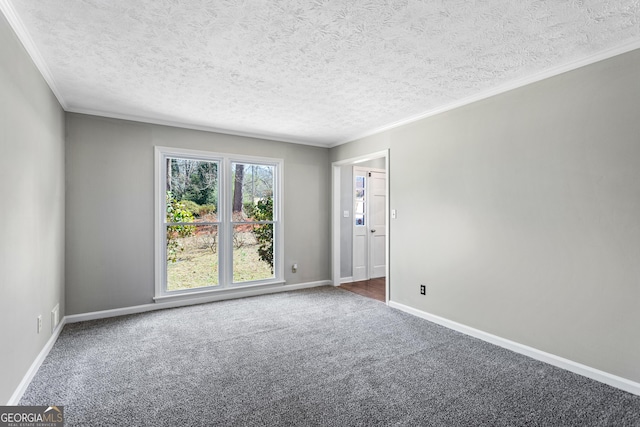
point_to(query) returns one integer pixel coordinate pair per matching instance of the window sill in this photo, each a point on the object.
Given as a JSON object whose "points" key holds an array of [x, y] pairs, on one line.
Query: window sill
{"points": [[236, 291]]}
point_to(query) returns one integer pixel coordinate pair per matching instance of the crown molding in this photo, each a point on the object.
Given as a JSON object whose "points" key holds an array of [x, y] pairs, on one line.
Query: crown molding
{"points": [[193, 126], [23, 35], [511, 85]]}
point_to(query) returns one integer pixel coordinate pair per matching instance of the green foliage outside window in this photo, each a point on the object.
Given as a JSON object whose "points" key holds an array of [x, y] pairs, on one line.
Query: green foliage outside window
{"points": [[263, 211], [177, 212]]}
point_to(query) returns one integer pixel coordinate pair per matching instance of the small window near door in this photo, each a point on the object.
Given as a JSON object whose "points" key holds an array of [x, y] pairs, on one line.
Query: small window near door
{"points": [[359, 216]]}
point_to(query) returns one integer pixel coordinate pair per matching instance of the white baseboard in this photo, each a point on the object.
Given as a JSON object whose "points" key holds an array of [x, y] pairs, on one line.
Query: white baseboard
{"points": [[307, 285], [240, 293], [346, 280], [552, 359], [33, 369]]}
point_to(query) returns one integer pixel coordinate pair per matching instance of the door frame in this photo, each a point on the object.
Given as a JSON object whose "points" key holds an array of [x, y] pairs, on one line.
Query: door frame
{"points": [[336, 214]]}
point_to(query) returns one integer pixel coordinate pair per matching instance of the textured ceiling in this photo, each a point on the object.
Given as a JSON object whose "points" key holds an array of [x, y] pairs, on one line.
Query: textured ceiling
{"points": [[312, 71]]}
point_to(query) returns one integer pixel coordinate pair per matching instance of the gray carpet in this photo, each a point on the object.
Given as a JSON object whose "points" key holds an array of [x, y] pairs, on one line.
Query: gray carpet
{"points": [[322, 356]]}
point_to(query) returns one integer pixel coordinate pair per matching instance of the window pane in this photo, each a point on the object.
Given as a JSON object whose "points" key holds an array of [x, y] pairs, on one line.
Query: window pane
{"points": [[253, 190], [192, 190], [360, 200], [252, 252], [192, 256]]}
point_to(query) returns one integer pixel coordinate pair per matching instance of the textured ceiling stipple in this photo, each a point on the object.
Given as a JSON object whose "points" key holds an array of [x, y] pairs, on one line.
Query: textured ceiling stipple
{"points": [[312, 71]]}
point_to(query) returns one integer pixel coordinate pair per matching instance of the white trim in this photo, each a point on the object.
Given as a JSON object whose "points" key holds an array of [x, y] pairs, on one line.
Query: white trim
{"points": [[346, 280], [158, 204], [211, 291], [33, 369], [23, 35], [502, 88], [534, 353], [387, 281], [232, 294], [193, 126], [307, 285], [362, 158]]}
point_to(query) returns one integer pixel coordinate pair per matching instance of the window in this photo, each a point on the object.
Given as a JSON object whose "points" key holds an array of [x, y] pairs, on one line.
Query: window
{"points": [[360, 199], [218, 221]]}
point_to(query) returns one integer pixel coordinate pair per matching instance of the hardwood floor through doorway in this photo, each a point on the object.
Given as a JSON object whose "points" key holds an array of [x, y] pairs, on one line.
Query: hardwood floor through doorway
{"points": [[374, 288]]}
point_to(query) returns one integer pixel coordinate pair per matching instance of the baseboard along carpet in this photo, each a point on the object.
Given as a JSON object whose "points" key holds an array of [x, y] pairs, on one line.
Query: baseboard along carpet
{"points": [[321, 356]]}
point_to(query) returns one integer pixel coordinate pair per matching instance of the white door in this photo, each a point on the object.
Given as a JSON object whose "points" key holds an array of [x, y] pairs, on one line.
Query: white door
{"points": [[369, 224], [377, 224]]}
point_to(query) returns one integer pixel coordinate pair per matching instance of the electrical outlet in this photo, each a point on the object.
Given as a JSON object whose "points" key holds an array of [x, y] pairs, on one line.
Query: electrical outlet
{"points": [[39, 323], [294, 268], [55, 317], [423, 290]]}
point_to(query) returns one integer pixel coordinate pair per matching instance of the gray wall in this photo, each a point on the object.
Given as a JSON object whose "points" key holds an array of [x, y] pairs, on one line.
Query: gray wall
{"points": [[521, 214], [346, 227], [110, 236], [32, 213], [346, 204]]}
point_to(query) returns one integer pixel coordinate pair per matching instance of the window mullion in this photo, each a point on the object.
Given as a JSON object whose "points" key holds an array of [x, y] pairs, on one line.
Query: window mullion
{"points": [[228, 228], [222, 229]]}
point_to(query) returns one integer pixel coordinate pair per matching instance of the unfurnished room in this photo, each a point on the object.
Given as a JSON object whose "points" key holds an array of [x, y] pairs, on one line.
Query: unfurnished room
{"points": [[320, 213]]}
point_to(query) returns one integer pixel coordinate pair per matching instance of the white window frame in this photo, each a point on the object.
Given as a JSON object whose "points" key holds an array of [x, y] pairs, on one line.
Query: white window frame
{"points": [[224, 223]]}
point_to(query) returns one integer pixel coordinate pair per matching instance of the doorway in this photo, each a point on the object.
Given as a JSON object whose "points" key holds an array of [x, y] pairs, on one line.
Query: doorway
{"points": [[368, 226], [356, 220]]}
